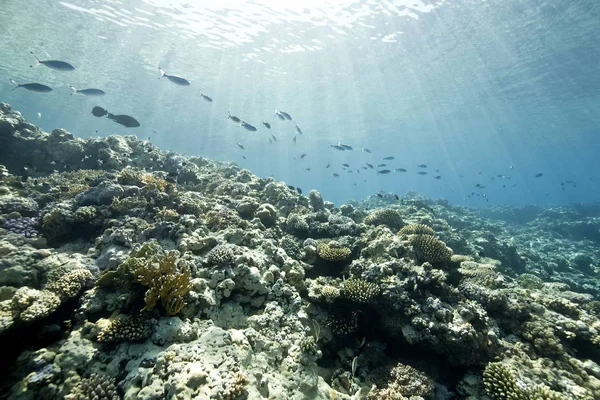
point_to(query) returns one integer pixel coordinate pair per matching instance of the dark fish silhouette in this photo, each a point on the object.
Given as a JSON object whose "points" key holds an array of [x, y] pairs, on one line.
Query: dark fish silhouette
{"points": [[233, 118], [299, 190], [88, 92], [267, 125], [539, 175], [422, 173], [279, 115], [437, 177], [400, 169], [125, 120], [33, 87], [239, 145], [366, 150], [345, 146], [274, 138], [389, 158], [303, 155], [247, 126], [336, 175], [345, 165], [380, 195], [396, 197], [422, 165], [384, 171], [54, 64], [175, 79], [370, 166], [328, 165], [205, 97], [298, 130], [291, 187], [286, 115], [338, 147], [381, 165]]}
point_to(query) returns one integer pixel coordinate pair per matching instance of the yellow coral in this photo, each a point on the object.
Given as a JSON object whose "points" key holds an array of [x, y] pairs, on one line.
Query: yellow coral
{"points": [[164, 282], [333, 254]]}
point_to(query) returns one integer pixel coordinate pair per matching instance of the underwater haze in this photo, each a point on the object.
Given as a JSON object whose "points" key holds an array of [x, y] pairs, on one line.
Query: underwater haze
{"points": [[504, 94]]}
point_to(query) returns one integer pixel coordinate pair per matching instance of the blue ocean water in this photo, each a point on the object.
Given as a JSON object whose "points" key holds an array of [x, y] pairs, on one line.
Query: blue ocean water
{"points": [[487, 92]]}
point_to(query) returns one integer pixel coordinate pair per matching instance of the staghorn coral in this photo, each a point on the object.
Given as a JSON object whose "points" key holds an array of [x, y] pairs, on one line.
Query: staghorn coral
{"points": [[96, 386], [165, 282], [123, 328], [384, 216], [416, 229], [431, 249], [359, 290], [333, 254]]}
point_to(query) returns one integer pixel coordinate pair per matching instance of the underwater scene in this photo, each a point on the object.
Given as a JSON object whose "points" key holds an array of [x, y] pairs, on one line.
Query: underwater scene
{"points": [[318, 199]]}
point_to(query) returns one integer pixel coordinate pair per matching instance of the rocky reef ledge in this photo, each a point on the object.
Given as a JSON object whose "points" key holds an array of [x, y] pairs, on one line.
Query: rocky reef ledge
{"points": [[127, 272]]}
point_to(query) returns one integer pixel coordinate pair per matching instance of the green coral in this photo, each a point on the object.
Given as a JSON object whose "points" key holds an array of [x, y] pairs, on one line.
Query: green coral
{"points": [[416, 229], [431, 249], [333, 254], [501, 384], [384, 216], [359, 290]]}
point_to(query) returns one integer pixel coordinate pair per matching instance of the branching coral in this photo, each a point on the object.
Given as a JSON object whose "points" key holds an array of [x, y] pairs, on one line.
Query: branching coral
{"points": [[431, 249], [165, 282], [333, 254], [359, 290], [123, 328], [501, 384], [416, 229], [384, 216]]}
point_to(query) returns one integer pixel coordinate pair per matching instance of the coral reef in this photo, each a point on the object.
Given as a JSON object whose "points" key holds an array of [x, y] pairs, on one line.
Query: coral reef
{"points": [[131, 272]]}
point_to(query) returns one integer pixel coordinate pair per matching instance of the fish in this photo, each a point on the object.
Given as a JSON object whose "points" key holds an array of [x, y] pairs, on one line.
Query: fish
{"points": [[233, 118], [33, 87], [54, 64], [499, 176], [307, 169], [345, 165], [389, 158], [279, 115], [364, 150], [397, 197], [422, 173], [244, 157], [511, 167], [345, 146], [39, 115], [338, 147], [205, 97], [422, 165], [299, 190], [291, 187], [303, 155], [400, 169], [437, 177], [125, 120], [239, 145], [274, 138], [336, 175], [294, 140], [267, 125], [480, 186], [328, 165], [247, 126], [370, 166], [380, 195], [88, 92], [298, 130], [381, 165], [270, 141], [539, 175], [175, 79], [383, 171], [286, 115]]}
